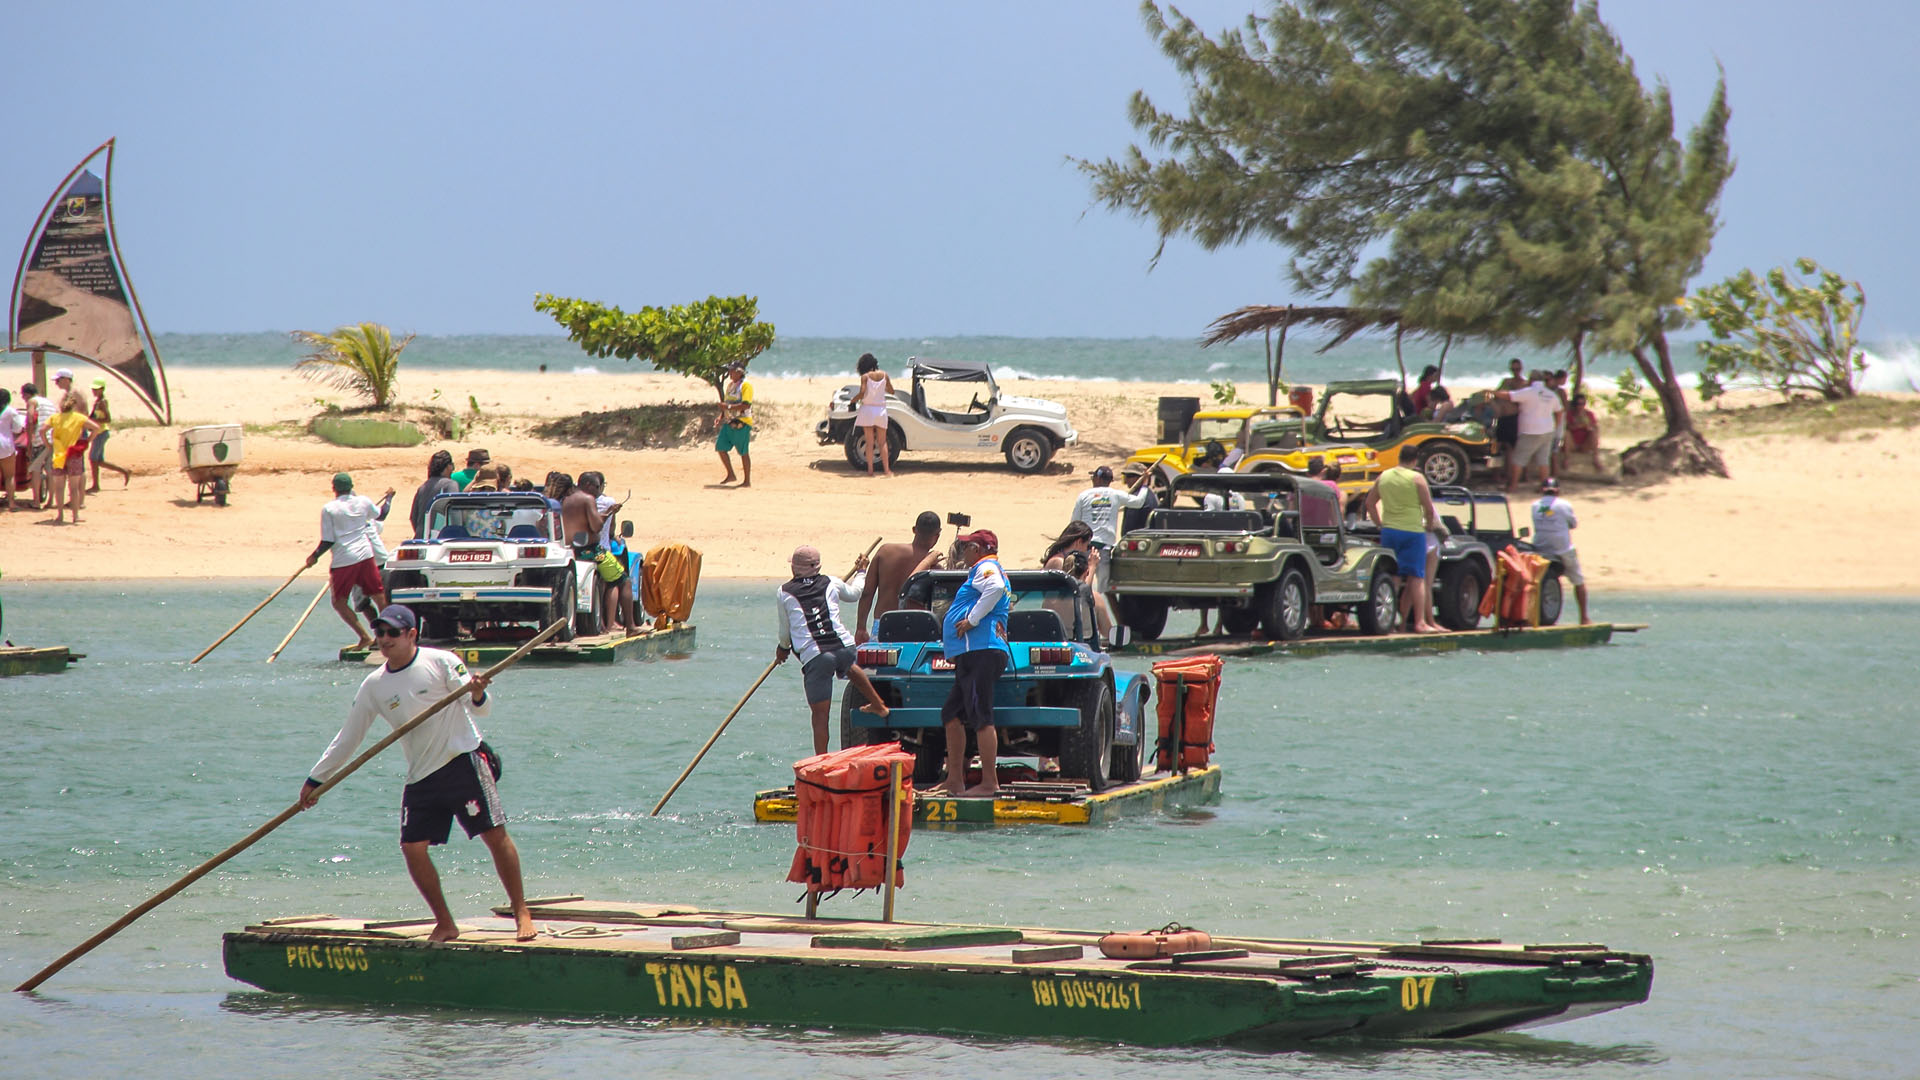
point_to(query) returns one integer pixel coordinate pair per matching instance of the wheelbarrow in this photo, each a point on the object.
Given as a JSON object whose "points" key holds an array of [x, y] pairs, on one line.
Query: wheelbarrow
{"points": [[211, 455]]}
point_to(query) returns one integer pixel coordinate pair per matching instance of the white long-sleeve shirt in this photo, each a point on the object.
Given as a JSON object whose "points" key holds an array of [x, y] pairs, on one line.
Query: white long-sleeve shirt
{"points": [[801, 628], [399, 696]]}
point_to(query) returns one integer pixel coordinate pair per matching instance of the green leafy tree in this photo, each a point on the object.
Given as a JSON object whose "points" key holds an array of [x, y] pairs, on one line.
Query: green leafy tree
{"points": [[698, 339], [1785, 332], [361, 359], [1491, 168]]}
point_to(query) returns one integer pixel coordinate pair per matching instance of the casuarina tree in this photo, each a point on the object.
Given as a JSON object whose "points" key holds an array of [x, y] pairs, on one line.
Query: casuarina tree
{"points": [[698, 339], [1490, 168]]}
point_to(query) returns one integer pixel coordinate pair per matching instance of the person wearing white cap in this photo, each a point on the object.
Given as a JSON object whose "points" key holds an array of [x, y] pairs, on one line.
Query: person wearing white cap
{"points": [[810, 625]]}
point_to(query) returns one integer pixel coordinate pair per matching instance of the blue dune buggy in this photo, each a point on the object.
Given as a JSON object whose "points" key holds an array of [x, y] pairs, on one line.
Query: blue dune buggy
{"points": [[1059, 698]]}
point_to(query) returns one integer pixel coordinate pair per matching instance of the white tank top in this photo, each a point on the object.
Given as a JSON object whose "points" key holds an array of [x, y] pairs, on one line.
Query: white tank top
{"points": [[873, 391]]}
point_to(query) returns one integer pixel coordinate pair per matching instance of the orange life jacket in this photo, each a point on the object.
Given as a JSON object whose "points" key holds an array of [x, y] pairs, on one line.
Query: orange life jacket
{"points": [[842, 817], [1153, 944], [1515, 592], [1194, 680]]}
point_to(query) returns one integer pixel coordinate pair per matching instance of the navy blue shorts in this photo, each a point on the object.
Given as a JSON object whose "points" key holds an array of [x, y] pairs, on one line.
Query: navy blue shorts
{"points": [[1409, 550], [971, 699], [462, 788]]}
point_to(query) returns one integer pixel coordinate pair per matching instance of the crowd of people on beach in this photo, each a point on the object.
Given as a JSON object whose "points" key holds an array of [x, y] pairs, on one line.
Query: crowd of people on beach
{"points": [[1536, 422], [48, 444]]}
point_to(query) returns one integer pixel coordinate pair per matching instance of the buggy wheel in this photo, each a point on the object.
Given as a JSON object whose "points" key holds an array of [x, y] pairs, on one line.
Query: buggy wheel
{"points": [[1028, 451], [1125, 765], [1240, 620], [1461, 587], [857, 736], [566, 596], [1086, 751], [1284, 604], [930, 758], [1444, 463], [857, 445], [1146, 616], [1382, 604], [1552, 597]]}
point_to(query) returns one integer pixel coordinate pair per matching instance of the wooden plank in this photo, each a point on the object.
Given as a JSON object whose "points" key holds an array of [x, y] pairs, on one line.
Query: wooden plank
{"points": [[910, 939], [1044, 954], [706, 941], [286, 920]]}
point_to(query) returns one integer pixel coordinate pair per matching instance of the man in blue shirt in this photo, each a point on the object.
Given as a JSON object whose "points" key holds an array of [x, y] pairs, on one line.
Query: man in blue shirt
{"points": [[974, 637]]}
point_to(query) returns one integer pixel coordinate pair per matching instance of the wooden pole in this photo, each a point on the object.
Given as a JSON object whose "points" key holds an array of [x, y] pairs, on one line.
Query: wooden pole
{"points": [[711, 739], [301, 621], [278, 820], [893, 832], [249, 615]]}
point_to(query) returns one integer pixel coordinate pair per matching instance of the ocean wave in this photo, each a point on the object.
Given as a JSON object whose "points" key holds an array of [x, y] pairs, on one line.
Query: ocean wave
{"points": [[1897, 368], [585, 369]]}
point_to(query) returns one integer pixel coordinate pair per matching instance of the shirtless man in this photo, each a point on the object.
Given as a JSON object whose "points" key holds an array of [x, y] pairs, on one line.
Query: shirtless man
{"points": [[893, 564], [580, 514]]}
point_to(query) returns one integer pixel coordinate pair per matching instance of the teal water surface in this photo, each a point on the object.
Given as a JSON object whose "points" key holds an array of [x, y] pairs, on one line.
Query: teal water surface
{"points": [[1732, 791]]}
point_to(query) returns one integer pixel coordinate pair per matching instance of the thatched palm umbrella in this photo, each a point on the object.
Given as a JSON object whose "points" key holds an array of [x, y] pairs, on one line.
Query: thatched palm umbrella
{"points": [[1344, 322]]}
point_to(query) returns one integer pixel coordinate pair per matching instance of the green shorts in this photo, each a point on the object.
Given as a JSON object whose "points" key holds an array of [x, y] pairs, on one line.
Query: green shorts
{"points": [[734, 437]]}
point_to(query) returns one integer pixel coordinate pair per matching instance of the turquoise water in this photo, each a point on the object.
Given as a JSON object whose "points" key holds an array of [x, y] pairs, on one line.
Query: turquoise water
{"points": [[1732, 791]]}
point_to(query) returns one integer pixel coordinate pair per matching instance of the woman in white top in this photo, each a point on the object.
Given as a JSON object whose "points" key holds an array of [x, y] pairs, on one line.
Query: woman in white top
{"points": [[872, 399]]}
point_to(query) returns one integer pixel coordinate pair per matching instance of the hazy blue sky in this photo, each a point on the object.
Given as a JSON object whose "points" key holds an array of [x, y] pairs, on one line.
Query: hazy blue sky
{"points": [[886, 169]]}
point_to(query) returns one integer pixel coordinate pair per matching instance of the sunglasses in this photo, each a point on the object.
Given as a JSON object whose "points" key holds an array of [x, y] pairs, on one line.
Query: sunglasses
{"points": [[388, 631]]}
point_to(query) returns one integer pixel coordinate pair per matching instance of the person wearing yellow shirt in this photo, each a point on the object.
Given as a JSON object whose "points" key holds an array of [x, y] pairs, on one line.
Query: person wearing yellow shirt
{"points": [[736, 423], [69, 465], [1402, 505]]}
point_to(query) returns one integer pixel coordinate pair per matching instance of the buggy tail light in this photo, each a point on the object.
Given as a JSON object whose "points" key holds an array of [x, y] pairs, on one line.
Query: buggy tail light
{"points": [[533, 552], [1232, 547], [409, 554], [870, 657], [1051, 654]]}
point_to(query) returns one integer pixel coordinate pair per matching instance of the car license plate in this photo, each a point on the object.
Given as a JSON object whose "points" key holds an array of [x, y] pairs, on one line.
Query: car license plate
{"points": [[469, 556], [941, 663], [1179, 551]]}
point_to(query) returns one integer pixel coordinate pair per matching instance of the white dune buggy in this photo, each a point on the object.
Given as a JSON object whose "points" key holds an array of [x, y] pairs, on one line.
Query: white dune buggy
{"points": [[1028, 431], [494, 559]]}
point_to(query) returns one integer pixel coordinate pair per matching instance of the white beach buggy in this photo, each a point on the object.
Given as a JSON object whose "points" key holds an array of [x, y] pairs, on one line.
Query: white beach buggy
{"points": [[1028, 431], [493, 559]]}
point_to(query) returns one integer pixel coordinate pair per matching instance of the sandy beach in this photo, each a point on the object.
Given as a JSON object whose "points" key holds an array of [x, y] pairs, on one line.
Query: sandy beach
{"points": [[1799, 514]]}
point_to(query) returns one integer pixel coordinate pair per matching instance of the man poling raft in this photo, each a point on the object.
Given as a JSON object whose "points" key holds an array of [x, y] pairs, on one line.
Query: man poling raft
{"points": [[810, 625]]}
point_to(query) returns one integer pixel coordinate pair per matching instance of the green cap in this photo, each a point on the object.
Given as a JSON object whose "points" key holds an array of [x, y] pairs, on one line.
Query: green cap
{"points": [[342, 483]]}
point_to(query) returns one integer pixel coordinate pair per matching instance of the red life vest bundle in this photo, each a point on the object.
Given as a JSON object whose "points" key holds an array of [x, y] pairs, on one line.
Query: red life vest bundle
{"points": [[1514, 595], [1154, 944], [842, 817], [1188, 689]]}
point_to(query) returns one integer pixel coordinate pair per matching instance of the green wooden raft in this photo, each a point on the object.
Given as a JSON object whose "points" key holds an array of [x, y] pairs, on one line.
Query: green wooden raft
{"points": [[1492, 640], [51, 660], [596, 958], [1035, 802], [600, 649]]}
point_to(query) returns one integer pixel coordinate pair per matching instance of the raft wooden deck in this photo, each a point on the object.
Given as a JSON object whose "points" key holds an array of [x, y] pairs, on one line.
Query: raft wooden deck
{"points": [[1491, 640], [51, 660], [599, 649], [595, 958], [1036, 802]]}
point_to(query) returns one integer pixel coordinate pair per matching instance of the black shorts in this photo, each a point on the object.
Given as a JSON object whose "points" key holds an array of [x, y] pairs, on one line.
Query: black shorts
{"points": [[1506, 429], [462, 788], [971, 699]]}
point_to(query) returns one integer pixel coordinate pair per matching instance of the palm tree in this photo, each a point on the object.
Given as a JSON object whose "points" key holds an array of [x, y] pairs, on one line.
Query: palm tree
{"points": [[360, 358]]}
